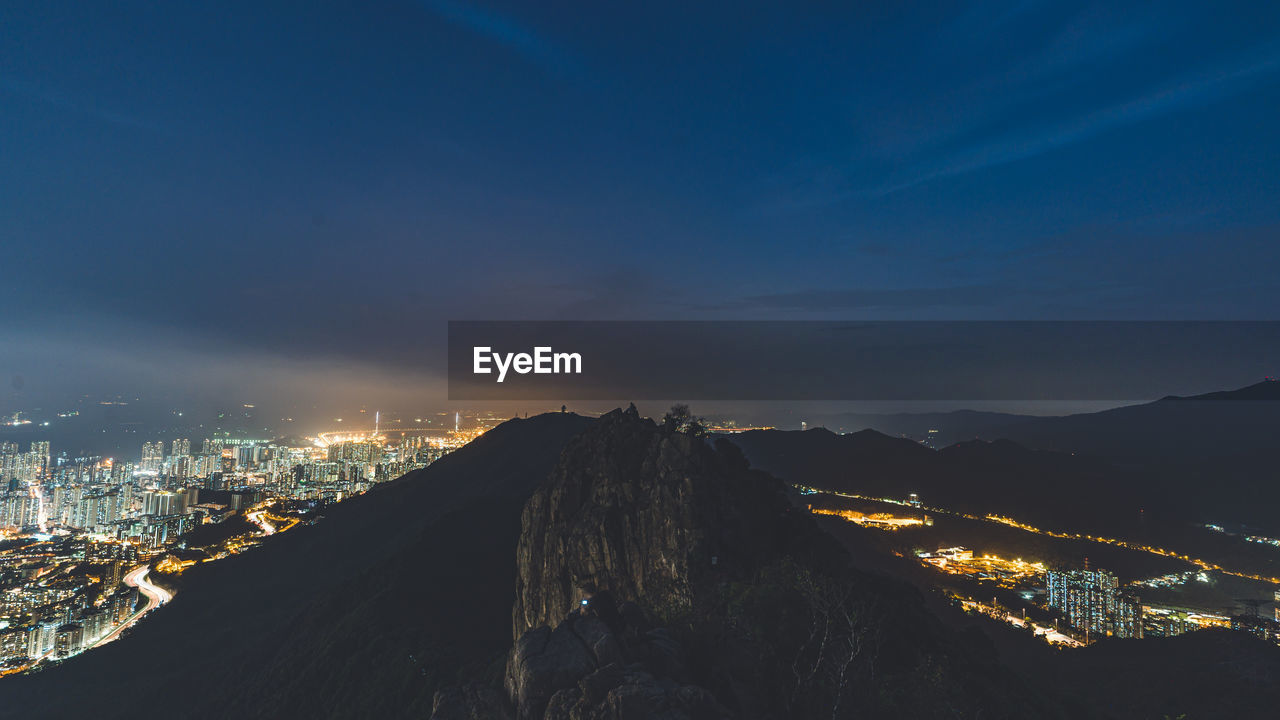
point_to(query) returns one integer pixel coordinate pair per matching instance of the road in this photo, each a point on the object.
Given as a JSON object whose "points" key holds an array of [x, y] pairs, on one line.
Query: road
{"points": [[156, 596], [1163, 552], [1049, 633], [42, 515], [256, 517]]}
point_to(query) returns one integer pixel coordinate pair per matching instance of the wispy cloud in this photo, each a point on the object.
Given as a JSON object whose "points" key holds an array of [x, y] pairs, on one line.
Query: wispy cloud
{"points": [[882, 298], [62, 101], [1194, 90], [1055, 56], [508, 32]]}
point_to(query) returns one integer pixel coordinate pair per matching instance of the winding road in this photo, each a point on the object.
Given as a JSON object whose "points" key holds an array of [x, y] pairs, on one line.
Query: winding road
{"points": [[256, 517], [156, 596]]}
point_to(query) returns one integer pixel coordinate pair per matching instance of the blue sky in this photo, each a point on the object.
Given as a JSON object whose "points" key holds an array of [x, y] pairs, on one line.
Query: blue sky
{"points": [[334, 180]]}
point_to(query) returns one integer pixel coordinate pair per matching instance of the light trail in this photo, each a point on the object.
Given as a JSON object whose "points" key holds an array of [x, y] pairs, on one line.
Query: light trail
{"points": [[1025, 527], [156, 596], [256, 517], [42, 515], [1050, 634]]}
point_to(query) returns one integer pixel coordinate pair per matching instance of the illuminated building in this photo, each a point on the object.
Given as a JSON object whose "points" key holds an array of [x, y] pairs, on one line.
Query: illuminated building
{"points": [[8, 466], [68, 640], [163, 502], [1128, 616], [1263, 628], [17, 510], [1091, 602], [1167, 622], [152, 456], [93, 521], [40, 639], [955, 554], [40, 456], [13, 643]]}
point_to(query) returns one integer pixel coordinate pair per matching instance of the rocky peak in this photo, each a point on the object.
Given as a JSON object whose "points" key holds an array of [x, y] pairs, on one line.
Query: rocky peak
{"points": [[603, 666], [647, 513]]}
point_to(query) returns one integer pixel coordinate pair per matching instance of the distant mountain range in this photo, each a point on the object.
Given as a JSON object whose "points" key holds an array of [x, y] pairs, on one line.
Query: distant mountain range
{"points": [[1212, 457], [946, 428]]}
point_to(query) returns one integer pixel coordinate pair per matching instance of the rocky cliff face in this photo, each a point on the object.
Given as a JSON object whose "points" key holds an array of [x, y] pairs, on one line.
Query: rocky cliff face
{"points": [[648, 515], [590, 667]]}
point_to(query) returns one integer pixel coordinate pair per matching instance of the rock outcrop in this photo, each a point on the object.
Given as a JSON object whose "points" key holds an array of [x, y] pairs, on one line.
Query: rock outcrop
{"points": [[589, 669], [472, 701], [648, 515]]}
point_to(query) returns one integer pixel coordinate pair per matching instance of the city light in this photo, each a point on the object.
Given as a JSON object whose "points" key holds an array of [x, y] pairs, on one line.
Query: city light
{"points": [[91, 541], [1089, 604]]}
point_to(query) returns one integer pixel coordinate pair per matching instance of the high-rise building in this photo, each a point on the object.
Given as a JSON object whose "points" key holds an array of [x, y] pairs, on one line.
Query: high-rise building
{"points": [[69, 639], [40, 456], [1092, 603], [152, 456], [1128, 616], [162, 502], [17, 510], [8, 465]]}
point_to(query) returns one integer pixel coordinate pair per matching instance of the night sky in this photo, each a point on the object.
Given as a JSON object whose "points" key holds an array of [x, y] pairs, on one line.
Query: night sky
{"points": [[225, 198]]}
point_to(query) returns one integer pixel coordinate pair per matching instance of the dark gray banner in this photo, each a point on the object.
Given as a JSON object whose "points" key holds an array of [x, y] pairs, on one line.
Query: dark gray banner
{"points": [[783, 360]]}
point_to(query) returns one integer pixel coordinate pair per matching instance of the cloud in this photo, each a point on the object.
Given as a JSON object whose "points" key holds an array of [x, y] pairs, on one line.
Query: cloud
{"points": [[1067, 58], [62, 101], [899, 298], [1190, 91], [507, 32], [74, 359]]}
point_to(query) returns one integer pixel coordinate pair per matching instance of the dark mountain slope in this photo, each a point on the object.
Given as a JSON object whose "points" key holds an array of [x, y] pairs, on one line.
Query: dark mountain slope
{"points": [[1215, 427], [1180, 448], [951, 427], [1049, 489], [384, 643], [1206, 675], [1265, 391], [1171, 451], [233, 621], [977, 477]]}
